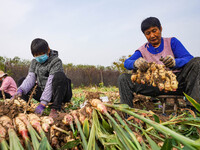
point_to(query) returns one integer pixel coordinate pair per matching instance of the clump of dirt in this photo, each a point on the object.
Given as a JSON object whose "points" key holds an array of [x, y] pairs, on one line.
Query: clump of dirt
{"points": [[92, 95], [112, 96], [143, 102], [10, 109]]}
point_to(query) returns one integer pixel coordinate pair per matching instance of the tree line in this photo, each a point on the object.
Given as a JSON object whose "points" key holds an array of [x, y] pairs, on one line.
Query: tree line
{"points": [[80, 75]]}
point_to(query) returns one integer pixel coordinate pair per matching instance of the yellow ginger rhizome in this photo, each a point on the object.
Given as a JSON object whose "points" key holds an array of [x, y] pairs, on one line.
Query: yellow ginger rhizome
{"points": [[156, 75]]}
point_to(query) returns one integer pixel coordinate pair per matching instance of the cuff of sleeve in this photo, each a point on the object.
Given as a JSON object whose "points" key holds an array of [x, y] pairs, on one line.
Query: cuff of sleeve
{"points": [[175, 67], [175, 63], [44, 102], [20, 91]]}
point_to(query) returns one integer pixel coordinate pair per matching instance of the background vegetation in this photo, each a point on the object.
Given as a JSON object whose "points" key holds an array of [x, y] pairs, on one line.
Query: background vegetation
{"points": [[81, 75]]}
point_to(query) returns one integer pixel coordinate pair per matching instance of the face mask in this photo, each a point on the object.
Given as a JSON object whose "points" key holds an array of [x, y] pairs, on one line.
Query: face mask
{"points": [[41, 59]]}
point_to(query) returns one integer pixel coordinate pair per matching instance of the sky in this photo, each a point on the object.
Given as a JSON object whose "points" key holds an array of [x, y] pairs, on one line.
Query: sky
{"points": [[93, 32]]}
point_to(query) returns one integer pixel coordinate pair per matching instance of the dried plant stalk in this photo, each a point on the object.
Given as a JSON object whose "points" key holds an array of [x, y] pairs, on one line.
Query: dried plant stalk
{"points": [[31, 96], [4, 97]]}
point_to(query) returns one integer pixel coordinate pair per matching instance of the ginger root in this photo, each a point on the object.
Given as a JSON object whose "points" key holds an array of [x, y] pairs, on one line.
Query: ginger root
{"points": [[157, 76]]}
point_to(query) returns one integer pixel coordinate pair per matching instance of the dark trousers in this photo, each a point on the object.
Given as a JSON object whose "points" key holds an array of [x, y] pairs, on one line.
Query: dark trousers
{"points": [[61, 91], [7, 95], [188, 78]]}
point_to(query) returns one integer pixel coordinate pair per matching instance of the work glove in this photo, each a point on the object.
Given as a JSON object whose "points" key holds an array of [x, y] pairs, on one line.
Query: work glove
{"points": [[168, 61], [39, 109], [17, 94], [141, 64]]}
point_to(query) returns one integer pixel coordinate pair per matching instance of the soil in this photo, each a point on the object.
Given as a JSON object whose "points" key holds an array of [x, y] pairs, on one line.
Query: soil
{"points": [[92, 95], [155, 105], [10, 109]]}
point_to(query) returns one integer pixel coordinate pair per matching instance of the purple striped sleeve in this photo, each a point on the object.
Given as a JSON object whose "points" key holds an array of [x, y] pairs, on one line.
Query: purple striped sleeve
{"points": [[28, 83], [47, 93]]}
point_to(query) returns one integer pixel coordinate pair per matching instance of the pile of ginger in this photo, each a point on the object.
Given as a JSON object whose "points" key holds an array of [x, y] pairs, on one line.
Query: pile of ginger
{"points": [[158, 76]]}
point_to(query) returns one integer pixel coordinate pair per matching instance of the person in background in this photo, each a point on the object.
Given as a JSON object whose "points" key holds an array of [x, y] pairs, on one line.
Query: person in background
{"points": [[175, 57], [8, 85], [47, 72]]}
